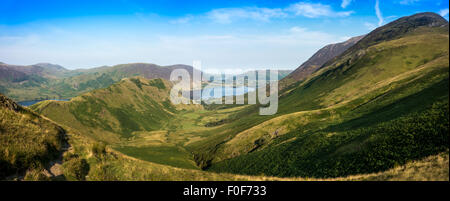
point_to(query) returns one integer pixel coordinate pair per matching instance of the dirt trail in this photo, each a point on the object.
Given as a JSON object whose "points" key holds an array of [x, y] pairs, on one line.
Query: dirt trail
{"points": [[54, 169]]}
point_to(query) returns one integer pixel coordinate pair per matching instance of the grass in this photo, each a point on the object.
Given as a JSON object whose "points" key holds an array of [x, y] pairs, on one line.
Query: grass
{"points": [[371, 110], [166, 155], [129, 115], [103, 111], [114, 165], [432, 168], [343, 92], [27, 141], [364, 150]]}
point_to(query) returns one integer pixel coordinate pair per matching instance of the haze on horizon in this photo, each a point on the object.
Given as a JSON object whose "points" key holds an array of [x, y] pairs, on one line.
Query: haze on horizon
{"points": [[254, 34]]}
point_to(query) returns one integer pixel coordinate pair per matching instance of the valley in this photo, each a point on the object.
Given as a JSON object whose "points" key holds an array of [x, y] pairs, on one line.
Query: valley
{"points": [[375, 107]]}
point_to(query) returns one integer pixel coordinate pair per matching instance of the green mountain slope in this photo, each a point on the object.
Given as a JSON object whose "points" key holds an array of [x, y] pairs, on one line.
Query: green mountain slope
{"points": [[46, 81], [317, 60], [132, 104], [379, 105], [27, 140], [363, 94], [105, 76], [128, 111]]}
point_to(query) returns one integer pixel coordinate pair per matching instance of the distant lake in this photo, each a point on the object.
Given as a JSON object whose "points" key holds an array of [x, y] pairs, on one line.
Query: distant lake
{"points": [[209, 92], [28, 103]]}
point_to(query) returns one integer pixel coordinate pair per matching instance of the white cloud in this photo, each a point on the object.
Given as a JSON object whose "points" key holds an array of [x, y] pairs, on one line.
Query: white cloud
{"points": [[95, 45], [443, 12], [370, 26], [284, 49], [345, 3], [267, 50], [312, 10], [227, 15], [378, 13], [408, 2], [182, 20]]}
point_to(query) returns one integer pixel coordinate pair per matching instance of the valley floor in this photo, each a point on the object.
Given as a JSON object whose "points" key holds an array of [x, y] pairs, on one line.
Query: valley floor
{"points": [[113, 165]]}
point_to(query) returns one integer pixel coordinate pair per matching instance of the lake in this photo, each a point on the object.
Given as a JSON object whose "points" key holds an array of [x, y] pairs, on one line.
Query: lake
{"points": [[208, 92], [32, 102]]}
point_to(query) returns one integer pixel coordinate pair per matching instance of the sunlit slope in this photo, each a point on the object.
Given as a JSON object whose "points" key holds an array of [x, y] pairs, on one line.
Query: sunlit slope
{"points": [[404, 75], [368, 79], [371, 109], [316, 61], [133, 104], [103, 77], [135, 116], [27, 141], [47, 81], [113, 165]]}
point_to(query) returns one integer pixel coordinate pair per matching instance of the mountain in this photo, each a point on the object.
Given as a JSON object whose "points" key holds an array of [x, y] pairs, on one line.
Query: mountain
{"points": [[27, 141], [390, 31], [44, 70], [131, 109], [364, 111], [400, 28], [317, 60], [11, 74], [105, 76], [130, 105], [22, 81], [50, 66], [46, 81], [370, 111], [52, 70]]}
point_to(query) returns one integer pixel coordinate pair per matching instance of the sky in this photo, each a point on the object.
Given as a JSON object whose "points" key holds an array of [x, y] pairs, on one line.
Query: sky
{"points": [[223, 34]]}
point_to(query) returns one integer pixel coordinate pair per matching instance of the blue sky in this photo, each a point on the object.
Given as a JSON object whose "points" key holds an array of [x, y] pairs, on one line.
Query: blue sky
{"points": [[233, 34]]}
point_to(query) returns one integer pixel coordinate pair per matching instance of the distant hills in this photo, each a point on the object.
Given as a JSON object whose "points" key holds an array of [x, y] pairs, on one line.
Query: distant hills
{"points": [[362, 109], [47, 81], [19, 73]]}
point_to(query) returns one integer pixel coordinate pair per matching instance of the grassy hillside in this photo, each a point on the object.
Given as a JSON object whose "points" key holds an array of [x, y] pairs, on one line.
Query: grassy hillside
{"points": [[133, 104], [334, 152], [27, 141], [47, 81], [361, 89], [135, 116], [379, 106], [111, 165], [432, 168], [105, 76], [317, 60], [31, 82]]}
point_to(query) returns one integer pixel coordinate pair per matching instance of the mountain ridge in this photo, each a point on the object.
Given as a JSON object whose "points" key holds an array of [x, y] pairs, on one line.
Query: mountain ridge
{"points": [[355, 85], [376, 107], [316, 61], [47, 81]]}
